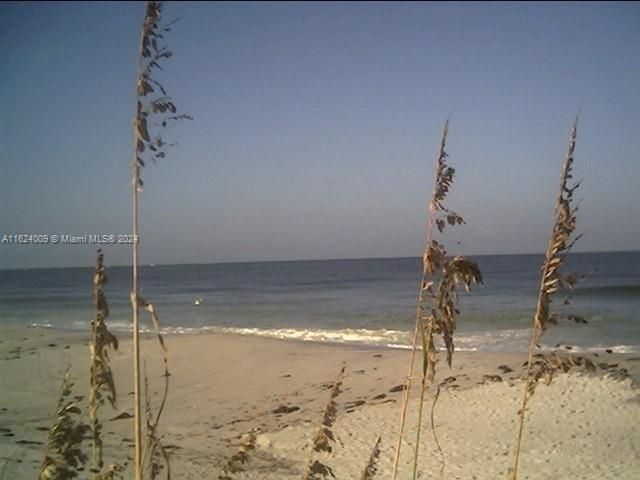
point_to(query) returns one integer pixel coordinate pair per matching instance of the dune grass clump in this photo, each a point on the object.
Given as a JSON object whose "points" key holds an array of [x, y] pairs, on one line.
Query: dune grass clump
{"points": [[552, 279], [155, 110], [436, 308], [102, 384], [64, 457], [545, 366], [371, 469], [324, 438]]}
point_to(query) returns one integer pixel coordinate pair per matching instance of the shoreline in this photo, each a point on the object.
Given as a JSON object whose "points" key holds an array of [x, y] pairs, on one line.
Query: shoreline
{"points": [[171, 332], [224, 385]]}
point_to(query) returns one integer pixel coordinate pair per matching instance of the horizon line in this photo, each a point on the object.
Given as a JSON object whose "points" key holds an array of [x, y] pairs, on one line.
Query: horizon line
{"points": [[153, 265]]}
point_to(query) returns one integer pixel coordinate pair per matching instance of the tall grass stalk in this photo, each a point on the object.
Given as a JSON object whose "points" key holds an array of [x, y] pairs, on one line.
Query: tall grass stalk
{"points": [[551, 280], [371, 468], [436, 308], [324, 438], [64, 457], [101, 379], [423, 281], [152, 104]]}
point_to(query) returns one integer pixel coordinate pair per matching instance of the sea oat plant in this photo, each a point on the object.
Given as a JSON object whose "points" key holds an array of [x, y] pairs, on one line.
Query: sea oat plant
{"points": [[551, 280], [371, 469], [154, 111], [436, 308], [64, 458], [324, 437], [101, 379], [64, 455]]}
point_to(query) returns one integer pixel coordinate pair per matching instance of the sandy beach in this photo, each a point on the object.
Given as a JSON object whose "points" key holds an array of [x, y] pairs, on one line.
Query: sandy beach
{"points": [[296, 194], [223, 386]]}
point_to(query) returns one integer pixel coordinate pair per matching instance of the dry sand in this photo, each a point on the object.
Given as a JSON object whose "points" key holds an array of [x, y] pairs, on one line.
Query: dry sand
{"points": [[579, 427]]}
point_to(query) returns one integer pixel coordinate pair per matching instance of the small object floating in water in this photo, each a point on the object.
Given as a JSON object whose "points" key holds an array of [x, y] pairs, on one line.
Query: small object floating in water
{"points": [[197, 301]]}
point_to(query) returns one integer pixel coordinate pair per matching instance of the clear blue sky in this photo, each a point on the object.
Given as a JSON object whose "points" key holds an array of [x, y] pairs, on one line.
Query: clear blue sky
{"points": [[316, 127]]}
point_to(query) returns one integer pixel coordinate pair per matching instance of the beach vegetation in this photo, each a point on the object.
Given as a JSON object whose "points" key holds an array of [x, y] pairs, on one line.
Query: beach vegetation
{"points": [[437, 302], [102, 382], [155, 110], [324, 438], [371, 469], [64, 457], [542, 365]]}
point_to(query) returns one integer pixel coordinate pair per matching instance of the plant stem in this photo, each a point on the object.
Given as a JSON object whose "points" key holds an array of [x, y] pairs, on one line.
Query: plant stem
{"points": [[420, 300], [534, 339], [136, 335], [525, 399], [405, 399], [93, 401], [423, 387], [543, 301]]}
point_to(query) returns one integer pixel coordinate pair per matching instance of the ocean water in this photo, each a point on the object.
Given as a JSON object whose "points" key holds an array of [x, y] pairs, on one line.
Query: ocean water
{"points": [[362, 301]]}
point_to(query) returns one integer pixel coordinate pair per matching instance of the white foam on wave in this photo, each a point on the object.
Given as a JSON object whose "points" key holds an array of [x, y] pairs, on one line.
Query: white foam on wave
{"points": [[42, 325], [348, 335], [506, 340], [493, 340]]}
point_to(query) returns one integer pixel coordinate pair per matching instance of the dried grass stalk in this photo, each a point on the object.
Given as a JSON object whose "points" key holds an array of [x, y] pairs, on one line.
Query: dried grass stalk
{"points": [[154, 452], [551, 280], [64, 458], [324, 438], [101, 379], [436, 308], [154, 111], [154, 456], [428, 268], [372, 465], [148, 306]]}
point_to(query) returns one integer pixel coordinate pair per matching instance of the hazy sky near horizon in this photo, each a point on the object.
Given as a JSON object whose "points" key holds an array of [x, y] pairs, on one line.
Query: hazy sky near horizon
{"points": [[316, 127]]}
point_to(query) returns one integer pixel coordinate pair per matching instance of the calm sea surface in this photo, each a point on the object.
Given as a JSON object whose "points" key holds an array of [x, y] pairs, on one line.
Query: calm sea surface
{"points": [[369, 301]]}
